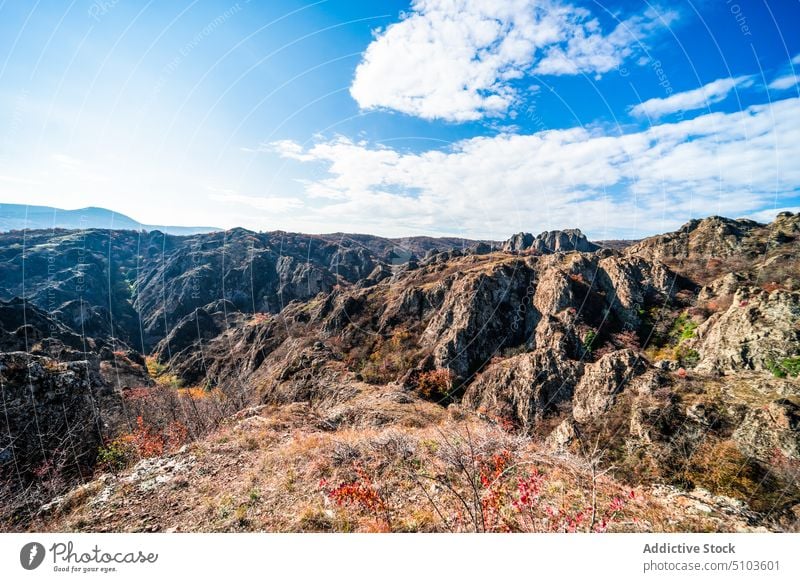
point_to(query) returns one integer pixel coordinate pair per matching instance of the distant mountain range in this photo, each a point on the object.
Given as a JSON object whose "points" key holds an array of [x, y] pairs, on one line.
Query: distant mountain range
{"points": [[24, 216]]}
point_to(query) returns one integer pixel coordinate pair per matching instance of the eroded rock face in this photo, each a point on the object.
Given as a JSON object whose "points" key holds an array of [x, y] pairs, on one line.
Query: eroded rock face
{"points": [[710, 237], [756, 331], [524, 387], [632, 283], [722, 287], [553, 241], [282, 318], [771, 432], [58, 414], [479, 315], [603, 380]]}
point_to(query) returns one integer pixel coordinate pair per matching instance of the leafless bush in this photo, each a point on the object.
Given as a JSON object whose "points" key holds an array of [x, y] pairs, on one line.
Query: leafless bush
{"points": [[344, 453], [394, 445]]}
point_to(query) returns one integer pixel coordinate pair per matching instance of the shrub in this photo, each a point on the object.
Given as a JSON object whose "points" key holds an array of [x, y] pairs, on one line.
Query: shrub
{"points": [[435, 384], [588, 340], [627, 339], [683, 328], [770, 286], [142, 442], [719, 304], [360, 493], [688, 358], [115, 455], [721, 468], [390, 359], [784, 367]]}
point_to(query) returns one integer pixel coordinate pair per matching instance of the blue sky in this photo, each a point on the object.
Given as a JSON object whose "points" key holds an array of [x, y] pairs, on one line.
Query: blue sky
{"points": [[444, 117]]}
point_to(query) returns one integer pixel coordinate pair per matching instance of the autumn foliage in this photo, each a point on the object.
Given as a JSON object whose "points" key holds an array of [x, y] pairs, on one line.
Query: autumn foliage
{"points": [[362, 494], [435, 384], [142, 442]]}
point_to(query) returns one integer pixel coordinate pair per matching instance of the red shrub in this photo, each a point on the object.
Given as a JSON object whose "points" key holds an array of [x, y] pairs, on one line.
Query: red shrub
{"points": [[360, 493]]}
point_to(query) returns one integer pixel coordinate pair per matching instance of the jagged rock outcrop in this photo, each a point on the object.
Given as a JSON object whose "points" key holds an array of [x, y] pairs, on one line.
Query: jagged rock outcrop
{"points": [[757, 331], [523, 388], [631, 283], [23, 327], [553, 241], [479, 316], [722, 287], [603, 380], [710, 237], [135, 286], [555, 340], [56, 416]]}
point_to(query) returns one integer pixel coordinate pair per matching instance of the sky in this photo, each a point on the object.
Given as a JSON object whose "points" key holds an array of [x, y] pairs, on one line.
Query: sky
{"points": [[472, 118]]}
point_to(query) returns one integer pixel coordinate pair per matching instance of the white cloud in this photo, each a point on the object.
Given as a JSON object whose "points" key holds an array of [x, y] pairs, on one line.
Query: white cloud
{"points": [[457, 59], [769, 214], [643, 182], [796, 59], [783, 83], [699, 98]]}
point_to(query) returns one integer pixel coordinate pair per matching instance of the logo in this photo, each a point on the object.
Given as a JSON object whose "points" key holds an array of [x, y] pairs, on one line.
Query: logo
{"points": [[31, 555]]}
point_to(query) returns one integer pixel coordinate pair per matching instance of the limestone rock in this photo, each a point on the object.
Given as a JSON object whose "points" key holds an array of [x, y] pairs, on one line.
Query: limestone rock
{"points": [[757, 330], [602, 381]]}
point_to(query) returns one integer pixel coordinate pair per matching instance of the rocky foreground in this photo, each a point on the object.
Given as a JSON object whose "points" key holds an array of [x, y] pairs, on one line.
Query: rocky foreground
{"points": [[270, 381]]}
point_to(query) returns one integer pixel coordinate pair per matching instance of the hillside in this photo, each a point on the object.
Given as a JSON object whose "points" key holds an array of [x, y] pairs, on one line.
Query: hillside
{"points": [[284, 382], [31, 217]]}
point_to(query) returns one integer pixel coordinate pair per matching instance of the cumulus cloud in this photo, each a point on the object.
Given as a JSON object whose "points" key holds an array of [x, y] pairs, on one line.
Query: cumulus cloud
{"points": [[610, 185], [699, 98], [457, 59]]}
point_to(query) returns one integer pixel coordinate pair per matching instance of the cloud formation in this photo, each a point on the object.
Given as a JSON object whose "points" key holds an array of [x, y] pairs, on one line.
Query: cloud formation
{"points": [[783, 83], [457, 60], [699, 98], [610, 185]]}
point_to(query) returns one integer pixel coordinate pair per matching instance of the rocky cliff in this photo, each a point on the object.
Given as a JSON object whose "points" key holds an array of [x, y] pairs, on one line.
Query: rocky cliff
{"points": [[674, 359]]}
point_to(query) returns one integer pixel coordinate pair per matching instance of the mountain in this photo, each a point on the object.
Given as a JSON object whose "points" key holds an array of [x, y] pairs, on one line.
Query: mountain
{"points": [[287, 382], [23, 216]]}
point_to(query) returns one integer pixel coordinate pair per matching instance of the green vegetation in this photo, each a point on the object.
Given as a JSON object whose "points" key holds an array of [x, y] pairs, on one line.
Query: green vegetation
{"points": [[158, 372], [683, 328], [114, 456], [687, 358], [588, 340], [785, 367], [671, 345]]}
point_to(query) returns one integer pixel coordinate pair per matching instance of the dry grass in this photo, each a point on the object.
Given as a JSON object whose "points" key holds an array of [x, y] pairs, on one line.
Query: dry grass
{"points": [[279, 468]]}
